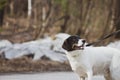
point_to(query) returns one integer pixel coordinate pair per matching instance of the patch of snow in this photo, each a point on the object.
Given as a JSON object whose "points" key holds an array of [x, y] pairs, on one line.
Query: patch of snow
{"points": [[41, 47], [5, 43]]}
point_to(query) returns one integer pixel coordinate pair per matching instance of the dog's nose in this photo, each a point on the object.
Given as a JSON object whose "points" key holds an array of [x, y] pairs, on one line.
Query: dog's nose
{"points": [[83, 41]]}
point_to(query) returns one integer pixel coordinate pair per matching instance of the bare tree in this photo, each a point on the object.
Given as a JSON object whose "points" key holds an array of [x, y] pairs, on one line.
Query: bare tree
{"points": [[29, 8], [117, 16], [2, 8]]}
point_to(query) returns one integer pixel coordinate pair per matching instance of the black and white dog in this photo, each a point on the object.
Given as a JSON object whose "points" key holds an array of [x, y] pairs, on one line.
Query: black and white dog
{"points": [[90, 61]]}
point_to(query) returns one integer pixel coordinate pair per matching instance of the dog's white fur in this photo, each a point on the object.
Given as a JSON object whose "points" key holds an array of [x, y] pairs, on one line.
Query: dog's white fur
{"points": [[115, 67], [94, 61]]}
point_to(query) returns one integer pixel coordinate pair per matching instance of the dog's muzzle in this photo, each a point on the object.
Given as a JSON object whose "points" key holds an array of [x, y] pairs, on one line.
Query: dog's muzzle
{"points": [[76, 47]]}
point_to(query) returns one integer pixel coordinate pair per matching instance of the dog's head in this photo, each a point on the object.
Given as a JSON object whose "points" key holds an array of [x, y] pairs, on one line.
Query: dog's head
{"points": [[73, 43]]}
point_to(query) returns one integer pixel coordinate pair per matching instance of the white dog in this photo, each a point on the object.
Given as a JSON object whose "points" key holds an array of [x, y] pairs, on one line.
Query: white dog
{"points": [[89, 61]]}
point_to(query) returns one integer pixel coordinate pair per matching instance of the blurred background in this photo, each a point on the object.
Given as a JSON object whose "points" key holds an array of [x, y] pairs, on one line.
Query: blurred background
{"points": [[32, 31]]}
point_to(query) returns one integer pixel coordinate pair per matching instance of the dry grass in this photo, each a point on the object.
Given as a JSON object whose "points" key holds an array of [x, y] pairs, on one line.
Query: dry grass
{"points": [[27, 65]]}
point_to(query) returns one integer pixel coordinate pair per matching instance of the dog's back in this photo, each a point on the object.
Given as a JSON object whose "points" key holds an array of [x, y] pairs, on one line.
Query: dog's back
{"points": [[97, 58]]}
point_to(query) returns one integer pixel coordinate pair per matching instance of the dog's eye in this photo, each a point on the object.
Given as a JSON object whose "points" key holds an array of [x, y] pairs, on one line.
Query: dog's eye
{"points": [[83, 41]]}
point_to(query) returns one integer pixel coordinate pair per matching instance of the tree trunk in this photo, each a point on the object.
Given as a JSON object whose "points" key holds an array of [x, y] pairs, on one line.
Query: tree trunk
{"points": [[117, 16], [1, 16], [29, 8]]}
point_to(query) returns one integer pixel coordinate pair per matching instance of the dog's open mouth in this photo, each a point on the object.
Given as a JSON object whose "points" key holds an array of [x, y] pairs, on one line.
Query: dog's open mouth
{"points": [[79, 47], [76, 47]]}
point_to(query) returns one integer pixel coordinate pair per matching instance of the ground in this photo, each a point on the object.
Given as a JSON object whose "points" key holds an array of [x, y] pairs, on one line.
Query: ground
{"points": [[28, 65], [45, 76]]}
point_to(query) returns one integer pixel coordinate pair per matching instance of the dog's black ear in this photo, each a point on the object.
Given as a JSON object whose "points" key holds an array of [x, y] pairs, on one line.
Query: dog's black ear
{"points": [[65, 45]]}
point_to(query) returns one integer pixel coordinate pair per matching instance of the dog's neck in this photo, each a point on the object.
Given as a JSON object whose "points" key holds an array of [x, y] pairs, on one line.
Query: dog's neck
{"points": [[74, 52]]}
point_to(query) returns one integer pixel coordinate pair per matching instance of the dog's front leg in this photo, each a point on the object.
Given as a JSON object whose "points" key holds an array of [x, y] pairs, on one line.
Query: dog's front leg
{"points": [[89, 74], [82, 78]]}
